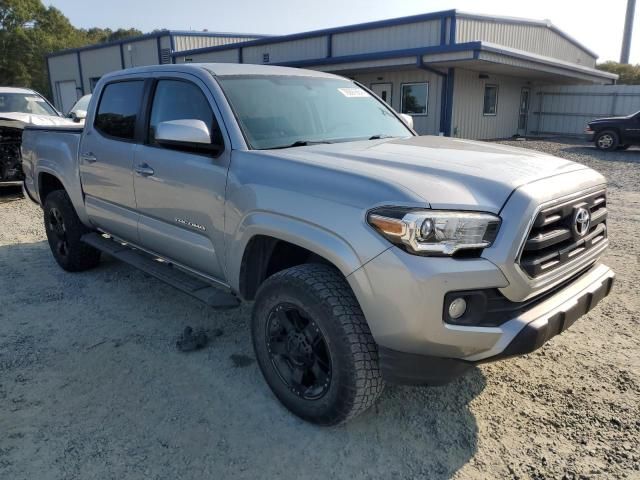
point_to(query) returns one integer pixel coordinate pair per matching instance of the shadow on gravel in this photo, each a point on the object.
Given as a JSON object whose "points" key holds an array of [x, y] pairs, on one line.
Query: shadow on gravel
{"points": [[10, 194], [97, 389]]}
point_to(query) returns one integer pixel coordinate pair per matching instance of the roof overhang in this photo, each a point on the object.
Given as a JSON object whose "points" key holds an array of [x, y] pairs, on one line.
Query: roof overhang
{"points": [[477, 56]]}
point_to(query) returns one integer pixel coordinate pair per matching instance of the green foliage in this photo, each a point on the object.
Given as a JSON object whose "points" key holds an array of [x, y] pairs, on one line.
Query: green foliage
{"points": [[29, 31], [629, 74]]}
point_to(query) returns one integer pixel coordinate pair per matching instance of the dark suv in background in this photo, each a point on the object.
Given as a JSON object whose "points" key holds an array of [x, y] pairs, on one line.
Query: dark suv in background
{"points": [[614, 133]]}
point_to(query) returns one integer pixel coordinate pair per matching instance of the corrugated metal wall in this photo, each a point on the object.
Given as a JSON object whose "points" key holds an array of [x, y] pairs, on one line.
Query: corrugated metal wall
{"points": [[185, 42], [141, 53], [96, 63], [63, 68], [531, 38], [424, 124], [413, 35], [307, 48], [468, 102], [221, 56], [565, 110]]}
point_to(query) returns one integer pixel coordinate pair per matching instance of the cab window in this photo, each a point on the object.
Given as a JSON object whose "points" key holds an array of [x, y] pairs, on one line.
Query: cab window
{"points": [[180, 100], [119, 109]]}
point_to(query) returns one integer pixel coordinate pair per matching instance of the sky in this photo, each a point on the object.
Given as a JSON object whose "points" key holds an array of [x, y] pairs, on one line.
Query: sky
{"points": [[597, 24]]}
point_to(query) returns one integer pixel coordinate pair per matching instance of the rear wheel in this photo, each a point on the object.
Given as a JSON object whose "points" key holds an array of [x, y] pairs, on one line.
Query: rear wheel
{"points": [[64, 230], [314, 346], [607, 140]]}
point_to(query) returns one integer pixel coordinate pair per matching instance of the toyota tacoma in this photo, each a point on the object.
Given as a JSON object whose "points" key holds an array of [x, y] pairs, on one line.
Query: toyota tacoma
{"points": [[372, 255]]}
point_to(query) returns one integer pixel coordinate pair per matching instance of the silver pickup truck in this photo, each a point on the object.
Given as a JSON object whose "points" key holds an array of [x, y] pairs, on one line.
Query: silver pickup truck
{"points": [[372, 255]]}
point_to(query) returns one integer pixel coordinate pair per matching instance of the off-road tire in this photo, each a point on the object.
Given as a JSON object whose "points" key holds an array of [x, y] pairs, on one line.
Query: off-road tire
{"points": [[607, 140], [74, 256], [325, 296]]}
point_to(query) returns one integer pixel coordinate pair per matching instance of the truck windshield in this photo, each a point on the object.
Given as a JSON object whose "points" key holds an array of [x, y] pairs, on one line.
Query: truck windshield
{"points": [[25, 103], [276, 111]]}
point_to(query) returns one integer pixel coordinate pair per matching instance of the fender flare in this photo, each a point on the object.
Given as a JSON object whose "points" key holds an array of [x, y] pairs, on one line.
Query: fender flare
{"points": [[314, 238]]}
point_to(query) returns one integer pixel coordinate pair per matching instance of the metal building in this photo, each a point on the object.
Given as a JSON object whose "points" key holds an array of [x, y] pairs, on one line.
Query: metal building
{"points": [[456, 73], [75, 72]]}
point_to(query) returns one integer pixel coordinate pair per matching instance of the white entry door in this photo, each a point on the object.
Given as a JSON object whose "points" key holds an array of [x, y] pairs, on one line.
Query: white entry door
{"points": [[68, 95], [383, 90]]}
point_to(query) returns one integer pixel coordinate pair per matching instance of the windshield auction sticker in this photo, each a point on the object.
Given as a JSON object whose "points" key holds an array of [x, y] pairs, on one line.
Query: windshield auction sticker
{"points": [[353, 92]]}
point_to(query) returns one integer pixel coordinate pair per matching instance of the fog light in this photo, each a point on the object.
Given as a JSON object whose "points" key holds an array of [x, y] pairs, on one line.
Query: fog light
{"points": [[457, 308]]}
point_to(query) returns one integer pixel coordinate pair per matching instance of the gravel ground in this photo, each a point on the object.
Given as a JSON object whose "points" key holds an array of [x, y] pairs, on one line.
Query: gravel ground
{"points": [[92, 386]]}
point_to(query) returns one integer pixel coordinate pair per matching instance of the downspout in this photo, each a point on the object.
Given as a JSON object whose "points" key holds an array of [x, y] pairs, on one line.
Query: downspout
{"points": [[445, 127]]}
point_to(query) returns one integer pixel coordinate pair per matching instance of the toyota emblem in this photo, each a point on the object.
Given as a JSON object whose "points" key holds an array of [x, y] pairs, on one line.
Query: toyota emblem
{"points": [[581, 222]]}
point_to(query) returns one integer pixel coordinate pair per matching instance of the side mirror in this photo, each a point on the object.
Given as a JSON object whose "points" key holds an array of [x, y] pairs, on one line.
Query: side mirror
{"points": [[407, 119], [78, 115], [183, 132]]}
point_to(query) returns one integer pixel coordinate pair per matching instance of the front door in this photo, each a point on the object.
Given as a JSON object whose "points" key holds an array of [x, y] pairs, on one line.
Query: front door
{"points": [[180, 191], [383, 90], [523, 116], [106, 159]]}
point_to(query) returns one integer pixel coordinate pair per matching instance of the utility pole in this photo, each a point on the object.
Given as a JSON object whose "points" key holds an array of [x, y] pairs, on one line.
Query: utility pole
{"points": [[628, 29]]}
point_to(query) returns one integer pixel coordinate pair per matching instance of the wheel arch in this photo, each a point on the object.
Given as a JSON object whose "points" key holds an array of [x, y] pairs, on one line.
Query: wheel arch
{"points": [[271, 243]]}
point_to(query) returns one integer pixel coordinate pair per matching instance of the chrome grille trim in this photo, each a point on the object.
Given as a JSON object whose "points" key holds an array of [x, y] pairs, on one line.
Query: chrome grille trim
{"points": [[551, 242]]}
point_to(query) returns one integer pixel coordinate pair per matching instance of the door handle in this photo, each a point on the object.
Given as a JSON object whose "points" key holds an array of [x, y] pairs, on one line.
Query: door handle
{"points": [[144, 170], [89, 157]]}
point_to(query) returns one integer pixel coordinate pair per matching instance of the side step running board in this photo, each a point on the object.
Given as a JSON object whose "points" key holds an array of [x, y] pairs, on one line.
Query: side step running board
{"points": [[208, 293]]}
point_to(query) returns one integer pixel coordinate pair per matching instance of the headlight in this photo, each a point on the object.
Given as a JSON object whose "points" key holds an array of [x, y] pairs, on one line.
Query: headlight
{"points": [[435, 232]]}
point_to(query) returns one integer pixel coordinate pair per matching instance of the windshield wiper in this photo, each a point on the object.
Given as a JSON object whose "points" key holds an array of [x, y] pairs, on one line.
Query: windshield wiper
{"points": [[298, 143], [380, 136]]}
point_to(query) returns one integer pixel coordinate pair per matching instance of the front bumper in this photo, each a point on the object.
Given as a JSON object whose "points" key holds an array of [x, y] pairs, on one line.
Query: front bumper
{"points": [[402, 297], [546, 320]]}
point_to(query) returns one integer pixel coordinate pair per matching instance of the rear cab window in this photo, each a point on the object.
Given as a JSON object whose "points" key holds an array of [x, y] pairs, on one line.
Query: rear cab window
{"points": [[119, 108]]}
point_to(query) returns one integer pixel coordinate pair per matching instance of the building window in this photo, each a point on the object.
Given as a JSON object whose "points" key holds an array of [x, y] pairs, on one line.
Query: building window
{"points": [[490, 100], [265, 58], [415, 97]]}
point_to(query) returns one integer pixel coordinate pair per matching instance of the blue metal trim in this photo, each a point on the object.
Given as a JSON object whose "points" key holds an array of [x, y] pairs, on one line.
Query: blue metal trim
{"points": [[448, 117], [159, 48], [320, 33], [122, 56], [410, 52], [330, 45], [80, 71], [443, 31], [172, 46], [148, 36], [526, 21], [51, 85], [452, 30]]}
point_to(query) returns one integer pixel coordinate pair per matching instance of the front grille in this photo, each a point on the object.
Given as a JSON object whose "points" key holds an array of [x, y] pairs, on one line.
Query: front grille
{"points": [[554, 240]]}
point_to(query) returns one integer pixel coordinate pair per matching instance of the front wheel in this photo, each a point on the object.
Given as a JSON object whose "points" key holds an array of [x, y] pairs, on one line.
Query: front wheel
{"points": [[64, 230], [314, 346], [607, 140]]}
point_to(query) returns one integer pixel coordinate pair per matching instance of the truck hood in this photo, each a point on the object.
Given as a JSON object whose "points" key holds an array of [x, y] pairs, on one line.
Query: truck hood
{"points": [[19, 120], [447, 173]]}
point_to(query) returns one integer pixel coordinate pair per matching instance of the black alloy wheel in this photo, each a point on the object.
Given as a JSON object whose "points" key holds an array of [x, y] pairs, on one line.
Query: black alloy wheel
{"points": [[298, 351]]}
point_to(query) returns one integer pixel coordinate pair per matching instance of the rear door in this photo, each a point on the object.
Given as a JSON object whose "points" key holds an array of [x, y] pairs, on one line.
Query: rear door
{"points": [[180, 191], [106, 158]]}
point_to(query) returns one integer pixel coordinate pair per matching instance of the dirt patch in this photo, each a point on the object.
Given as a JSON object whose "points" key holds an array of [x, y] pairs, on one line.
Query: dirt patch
{"points": [[92, 386]]}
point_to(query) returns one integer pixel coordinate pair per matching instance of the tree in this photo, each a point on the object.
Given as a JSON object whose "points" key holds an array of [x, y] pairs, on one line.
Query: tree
{"points": [[29, 31], [629, 74]]}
